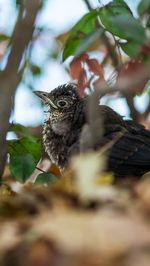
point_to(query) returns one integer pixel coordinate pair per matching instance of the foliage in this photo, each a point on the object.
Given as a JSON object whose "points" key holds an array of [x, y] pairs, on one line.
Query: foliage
{"points": [[46, 178], [54, 225], [79, 216], [126, 41], [111, 29], [24, 154], [82, 35], [116, 18]]}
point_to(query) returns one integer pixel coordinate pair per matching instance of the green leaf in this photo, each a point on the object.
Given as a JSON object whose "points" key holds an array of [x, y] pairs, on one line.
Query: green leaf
{"points": [[22, 166], [117, 18], [24, 154], [144, 7], [36, 70], [78, 46], [128, 28], [25, 145], [130, 48], [148, 23], [22, 130], [4, 37], [147, 90], [18, 2], [46, 178], [113, 9], [82, 35]]}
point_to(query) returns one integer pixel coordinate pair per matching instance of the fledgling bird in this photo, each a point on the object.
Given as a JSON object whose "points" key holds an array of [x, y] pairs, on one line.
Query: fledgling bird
{"points": [[66, 116]]}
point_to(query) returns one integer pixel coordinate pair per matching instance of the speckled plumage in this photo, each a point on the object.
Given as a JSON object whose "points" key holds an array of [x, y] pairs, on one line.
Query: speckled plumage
{"points": [[60, 143], [129, 156]]}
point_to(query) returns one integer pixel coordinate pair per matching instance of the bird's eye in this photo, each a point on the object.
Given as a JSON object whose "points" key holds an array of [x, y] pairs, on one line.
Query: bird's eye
{"points": [[62, 103]]}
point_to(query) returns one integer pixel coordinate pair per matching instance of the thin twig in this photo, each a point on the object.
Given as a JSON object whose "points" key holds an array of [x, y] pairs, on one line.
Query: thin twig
{"points": [[111, 49], [133, 112]]}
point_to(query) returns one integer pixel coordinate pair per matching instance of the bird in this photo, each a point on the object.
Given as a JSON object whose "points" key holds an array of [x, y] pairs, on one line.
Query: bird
{"points": [[63, 126]]}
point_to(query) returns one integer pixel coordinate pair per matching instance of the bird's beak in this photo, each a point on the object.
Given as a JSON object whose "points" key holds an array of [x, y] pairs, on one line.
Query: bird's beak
{"points": [[45, 98]]}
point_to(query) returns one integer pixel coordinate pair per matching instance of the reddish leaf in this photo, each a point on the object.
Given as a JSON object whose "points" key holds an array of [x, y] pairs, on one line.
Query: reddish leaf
{"points": [[75, 69], [76, 65], [97, 70], [78, 72], [82, 82], [95, 67]]}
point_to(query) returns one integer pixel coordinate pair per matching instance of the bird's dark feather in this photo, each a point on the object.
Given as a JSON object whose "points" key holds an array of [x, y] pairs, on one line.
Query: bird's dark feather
{"points": [[130, 155]]}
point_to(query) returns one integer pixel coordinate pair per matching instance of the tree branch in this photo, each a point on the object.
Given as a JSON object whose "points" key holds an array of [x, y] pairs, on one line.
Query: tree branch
{"points": [[110, 48], [133, 112], [11, 76]]}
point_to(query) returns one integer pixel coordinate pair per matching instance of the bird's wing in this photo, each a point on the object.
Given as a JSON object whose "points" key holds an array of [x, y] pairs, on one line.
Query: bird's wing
{"points": [[130, 155]]}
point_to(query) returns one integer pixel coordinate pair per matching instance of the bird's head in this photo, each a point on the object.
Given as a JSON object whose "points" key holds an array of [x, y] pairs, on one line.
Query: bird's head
{"points": [[62, 104]]}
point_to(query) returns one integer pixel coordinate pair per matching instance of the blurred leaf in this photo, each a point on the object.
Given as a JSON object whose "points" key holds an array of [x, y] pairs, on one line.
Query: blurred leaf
{"points": [[76, 67], [113, 9], [119, 7], [63, 37], [82, 35], [95, 67], [105, 179], [117, 19], [89, 40], [83, 68], [22, 130], [18, 2], [96, 185], [25, 145], [128, 28], [54, 54], [4, 37], [144, 7], [148, 90], [22, 166], [130, 48], [78, 72], [47, 178], [148, 23], [36, 70], [24, 155]]}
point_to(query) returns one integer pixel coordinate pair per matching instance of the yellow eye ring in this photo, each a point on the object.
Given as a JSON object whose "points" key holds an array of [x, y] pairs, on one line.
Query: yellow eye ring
{"points": [[62, 103]]}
